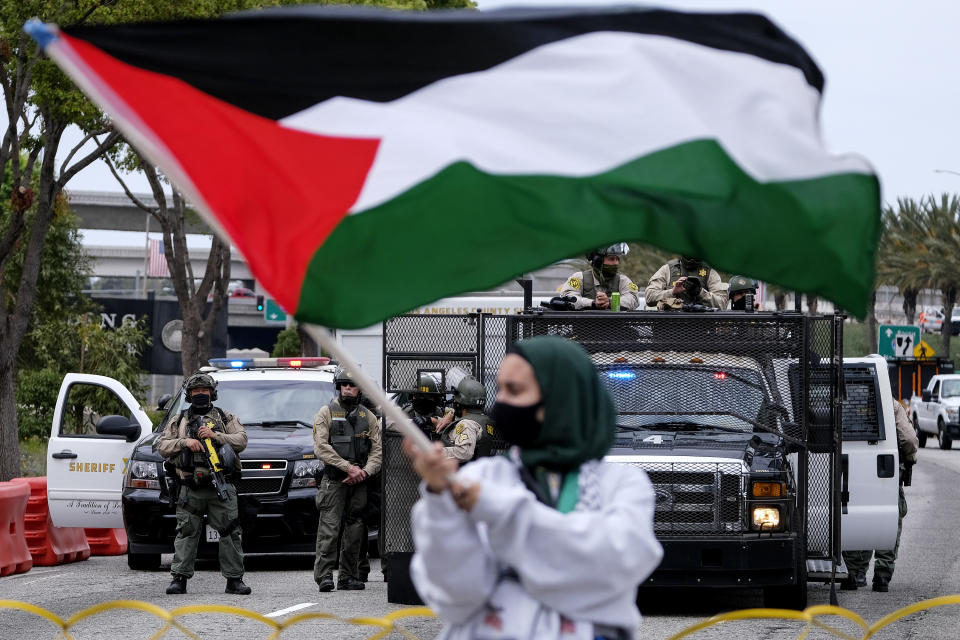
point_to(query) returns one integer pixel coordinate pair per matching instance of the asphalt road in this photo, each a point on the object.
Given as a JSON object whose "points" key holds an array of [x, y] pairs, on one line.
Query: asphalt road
{"points": [[929, 566]]}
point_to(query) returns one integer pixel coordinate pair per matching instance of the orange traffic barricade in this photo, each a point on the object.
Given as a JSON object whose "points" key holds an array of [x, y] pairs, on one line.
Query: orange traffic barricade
{"points": [[107, 542], [48, 544], [14, 554]]}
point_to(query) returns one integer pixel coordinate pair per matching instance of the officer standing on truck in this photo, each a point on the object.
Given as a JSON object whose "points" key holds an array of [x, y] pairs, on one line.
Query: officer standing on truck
{"points": [[183, 444], [346, 438], [738, 289], [858, 561], [688, 280], [462, 431], [593, 288]]}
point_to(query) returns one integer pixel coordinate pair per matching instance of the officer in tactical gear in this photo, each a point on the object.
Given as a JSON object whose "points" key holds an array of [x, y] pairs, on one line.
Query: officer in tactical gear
{"points": [[591, 289], [884, 560], [346, 438], [737, 290], [686, 280], [461, 431], [183, 445], [425, 406]]}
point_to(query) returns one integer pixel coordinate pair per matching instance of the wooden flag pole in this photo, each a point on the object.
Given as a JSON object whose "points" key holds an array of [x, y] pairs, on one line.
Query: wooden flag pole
{"points": [[371, 389]]}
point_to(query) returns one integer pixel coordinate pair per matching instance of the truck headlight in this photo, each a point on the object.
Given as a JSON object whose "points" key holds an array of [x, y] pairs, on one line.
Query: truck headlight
{"points": [[304, 472], [953, 414], [766, 518], [143, 475]]}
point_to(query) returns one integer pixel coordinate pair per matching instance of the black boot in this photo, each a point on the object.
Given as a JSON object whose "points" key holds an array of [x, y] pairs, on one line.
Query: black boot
{"points": [[177, 586], [351, 584], [326, 583], [881, 584], [849, 583], [236, 586]]}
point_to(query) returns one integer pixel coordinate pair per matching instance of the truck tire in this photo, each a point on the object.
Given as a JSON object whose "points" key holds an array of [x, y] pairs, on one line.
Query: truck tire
{"points": [[921, 436], [792, 596], [143, 561], [943, 439]]}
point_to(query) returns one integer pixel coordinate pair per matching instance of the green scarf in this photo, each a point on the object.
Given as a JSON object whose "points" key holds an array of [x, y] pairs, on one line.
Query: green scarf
{"points": [[580, 420]]}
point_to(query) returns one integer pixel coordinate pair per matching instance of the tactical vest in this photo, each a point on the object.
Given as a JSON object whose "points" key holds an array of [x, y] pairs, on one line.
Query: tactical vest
{"points": [[677, 270], [488, 437], [349, 433], [214, 418], [589, 286]]}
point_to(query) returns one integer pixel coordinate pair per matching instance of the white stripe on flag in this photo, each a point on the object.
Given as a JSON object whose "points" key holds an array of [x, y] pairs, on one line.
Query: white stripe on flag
{"points": [[585, 105], [157, 262]]}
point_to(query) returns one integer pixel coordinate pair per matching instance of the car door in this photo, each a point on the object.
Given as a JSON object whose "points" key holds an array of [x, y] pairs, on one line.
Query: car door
{"points": [[870, 484], [928, 422], [96, 425]]}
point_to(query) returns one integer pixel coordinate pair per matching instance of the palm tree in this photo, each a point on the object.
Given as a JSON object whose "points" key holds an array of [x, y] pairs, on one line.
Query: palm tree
{"points": [[922, 248], [899, 234]]}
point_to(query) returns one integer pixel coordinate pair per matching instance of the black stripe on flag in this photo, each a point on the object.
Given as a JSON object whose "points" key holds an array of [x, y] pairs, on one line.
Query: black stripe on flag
{"points": [[277, 62]]}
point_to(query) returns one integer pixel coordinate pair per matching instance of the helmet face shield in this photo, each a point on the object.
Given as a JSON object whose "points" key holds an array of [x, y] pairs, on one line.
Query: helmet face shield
{"points": [[618, 249]]}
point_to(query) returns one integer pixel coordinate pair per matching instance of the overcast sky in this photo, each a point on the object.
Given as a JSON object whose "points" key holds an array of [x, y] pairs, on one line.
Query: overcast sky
{"points": [[892, 93]]}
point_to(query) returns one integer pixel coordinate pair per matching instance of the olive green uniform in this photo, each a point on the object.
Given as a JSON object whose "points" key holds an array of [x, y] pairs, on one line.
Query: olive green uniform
{"points": [[858, 561], [584, 285], [343, 438], [200, 499], [660, 286]]}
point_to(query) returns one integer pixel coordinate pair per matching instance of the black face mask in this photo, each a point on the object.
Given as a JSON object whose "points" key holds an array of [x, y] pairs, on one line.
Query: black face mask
{"points": [[200, 401], [349, 400], [739, 305], [424, 406], [518, 425], [609, 270]]}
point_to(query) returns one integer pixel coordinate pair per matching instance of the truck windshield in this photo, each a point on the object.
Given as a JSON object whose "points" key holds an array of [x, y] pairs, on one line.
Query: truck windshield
{"points": [[951, 389], [291, 403], [675, 396]]}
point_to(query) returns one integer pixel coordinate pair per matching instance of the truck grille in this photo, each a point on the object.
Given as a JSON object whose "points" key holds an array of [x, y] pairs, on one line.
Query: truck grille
{"points": [[696, 498], [250, 486]]}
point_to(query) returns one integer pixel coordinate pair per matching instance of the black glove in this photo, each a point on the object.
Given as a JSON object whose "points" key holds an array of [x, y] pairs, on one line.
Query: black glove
{"points": [[423, 421], [906, 473]]}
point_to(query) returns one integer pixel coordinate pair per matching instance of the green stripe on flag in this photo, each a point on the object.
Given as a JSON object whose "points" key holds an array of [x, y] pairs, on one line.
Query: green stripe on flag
{"points": [[466, 230]]}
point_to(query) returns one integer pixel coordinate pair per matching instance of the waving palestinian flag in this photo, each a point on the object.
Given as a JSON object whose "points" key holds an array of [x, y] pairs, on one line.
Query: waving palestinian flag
{"points": [[366, 162]]}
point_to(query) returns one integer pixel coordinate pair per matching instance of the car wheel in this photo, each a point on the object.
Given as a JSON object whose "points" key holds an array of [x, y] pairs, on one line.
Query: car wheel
{"points": [[943, 439], [143, 561], [921, 436]]}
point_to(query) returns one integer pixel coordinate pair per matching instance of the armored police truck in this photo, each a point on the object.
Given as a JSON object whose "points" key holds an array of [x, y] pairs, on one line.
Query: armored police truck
{"points": [[739, 420]]}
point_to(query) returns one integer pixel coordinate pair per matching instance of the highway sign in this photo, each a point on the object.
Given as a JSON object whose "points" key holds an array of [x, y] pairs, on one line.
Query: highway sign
{"points": [[273, 313], [897, 341]]}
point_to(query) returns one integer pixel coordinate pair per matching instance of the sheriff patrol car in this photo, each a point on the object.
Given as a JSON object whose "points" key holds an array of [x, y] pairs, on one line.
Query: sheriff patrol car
{"points": [[103, 471]]}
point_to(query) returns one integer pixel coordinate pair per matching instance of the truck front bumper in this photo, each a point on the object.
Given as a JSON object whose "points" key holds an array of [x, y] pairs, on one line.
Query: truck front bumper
{"points": [[952, 429], [725, 562]]}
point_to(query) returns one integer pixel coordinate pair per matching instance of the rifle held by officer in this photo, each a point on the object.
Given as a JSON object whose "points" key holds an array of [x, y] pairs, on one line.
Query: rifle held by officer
{"points": [[213, 459]]}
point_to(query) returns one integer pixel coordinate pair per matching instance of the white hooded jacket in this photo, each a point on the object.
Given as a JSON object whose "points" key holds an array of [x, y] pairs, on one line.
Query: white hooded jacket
{"points": [[516, 568]]}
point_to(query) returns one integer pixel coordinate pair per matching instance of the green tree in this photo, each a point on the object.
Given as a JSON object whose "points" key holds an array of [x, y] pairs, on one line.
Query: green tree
{"points": [[287, 344]]}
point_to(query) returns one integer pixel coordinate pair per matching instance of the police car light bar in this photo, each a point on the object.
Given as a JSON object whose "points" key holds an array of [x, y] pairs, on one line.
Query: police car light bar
{"points": [[262, 363]]}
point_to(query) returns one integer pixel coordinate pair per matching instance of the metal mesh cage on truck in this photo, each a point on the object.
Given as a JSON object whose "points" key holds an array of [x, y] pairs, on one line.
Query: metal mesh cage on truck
{"points": [[775, 375]]}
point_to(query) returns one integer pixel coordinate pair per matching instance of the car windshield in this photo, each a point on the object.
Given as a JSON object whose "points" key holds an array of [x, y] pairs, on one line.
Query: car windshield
{"points": [[951, 389], [685, 397], [270, 402]]}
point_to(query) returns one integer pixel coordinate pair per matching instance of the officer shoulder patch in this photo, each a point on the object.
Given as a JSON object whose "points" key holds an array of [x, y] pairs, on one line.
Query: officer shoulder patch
{"points": [[462, 439], [632, 287], [459, 428], [574, 283], [490, 429]]}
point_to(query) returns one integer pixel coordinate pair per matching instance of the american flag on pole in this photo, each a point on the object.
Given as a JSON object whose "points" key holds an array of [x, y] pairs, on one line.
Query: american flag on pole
{"points": [[157, 262]]}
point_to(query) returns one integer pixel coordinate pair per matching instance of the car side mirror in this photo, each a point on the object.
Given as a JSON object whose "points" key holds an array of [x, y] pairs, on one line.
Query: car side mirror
{"points": [[162, 402], [118, 426], [926, 395]]}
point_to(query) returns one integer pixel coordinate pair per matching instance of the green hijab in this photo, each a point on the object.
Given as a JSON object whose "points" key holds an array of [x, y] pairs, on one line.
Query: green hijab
{"points": [[580, 419]]}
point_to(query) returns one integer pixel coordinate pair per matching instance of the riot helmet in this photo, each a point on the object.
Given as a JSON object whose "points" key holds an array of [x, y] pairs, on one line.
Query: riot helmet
{"points": [[201, 381], [595, 256], [340, 378], [428, 393], [228, 458], [737, 291], [470, 394]]}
